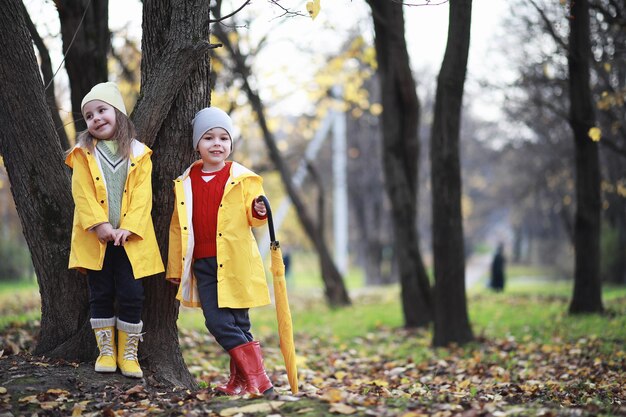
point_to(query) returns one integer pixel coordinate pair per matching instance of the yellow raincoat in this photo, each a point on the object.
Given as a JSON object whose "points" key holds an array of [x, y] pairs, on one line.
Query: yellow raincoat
{"points": [[90, 197], [241, 279]]}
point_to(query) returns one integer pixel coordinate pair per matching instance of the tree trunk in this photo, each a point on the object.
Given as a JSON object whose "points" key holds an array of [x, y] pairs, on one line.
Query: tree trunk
{"points": [[587, 297], [335, 290], [175, 86], [451, 319], [41, 192], [86, 42], [400, 120], [169, 29], [48, 79]]}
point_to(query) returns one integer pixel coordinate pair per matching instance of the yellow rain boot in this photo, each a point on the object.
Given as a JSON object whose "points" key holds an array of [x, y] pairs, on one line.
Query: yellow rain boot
{"points": [[128, 337], [105, 336]]}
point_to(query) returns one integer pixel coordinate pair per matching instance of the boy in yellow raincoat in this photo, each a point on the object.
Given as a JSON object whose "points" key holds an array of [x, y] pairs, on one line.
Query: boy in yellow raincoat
{"points": [[212, 252]]}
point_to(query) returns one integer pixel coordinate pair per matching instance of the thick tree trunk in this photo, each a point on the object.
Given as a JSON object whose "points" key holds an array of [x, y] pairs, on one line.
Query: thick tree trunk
{"points": [[451, 319], [48, 76], [174, 66], [86, 42], [400, 120], [335, 290], [587, 297], [41, 191]]}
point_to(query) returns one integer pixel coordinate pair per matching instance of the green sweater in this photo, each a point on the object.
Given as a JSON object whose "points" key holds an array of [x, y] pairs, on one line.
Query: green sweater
{"points": [[115, 169]]}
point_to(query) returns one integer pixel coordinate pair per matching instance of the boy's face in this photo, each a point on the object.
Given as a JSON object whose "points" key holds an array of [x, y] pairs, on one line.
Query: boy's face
{"points": [[214, 147], [100, 118]]}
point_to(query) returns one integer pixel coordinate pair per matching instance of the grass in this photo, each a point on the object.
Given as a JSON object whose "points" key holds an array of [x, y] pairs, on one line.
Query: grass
{"points": [[19, 302], [528, 309]]}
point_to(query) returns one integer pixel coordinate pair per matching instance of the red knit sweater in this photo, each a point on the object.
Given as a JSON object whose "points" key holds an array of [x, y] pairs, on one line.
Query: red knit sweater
{"points": [[207, 196]]}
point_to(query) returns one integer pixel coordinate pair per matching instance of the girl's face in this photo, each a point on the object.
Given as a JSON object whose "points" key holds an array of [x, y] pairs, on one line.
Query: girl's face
{"points": [[100, 118], [214, 147]]}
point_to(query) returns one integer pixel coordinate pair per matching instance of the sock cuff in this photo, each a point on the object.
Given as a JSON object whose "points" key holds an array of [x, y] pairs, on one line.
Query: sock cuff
{"points": [[129, 327], [100, 323]]}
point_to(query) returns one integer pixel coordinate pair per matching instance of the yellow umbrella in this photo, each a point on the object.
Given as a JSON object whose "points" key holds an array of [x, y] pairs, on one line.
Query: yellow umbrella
{"points": [[283, 314]]}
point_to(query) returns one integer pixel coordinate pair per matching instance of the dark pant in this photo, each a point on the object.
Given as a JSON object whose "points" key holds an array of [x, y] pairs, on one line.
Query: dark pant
{"points": [[229, 326], [115, 280]]}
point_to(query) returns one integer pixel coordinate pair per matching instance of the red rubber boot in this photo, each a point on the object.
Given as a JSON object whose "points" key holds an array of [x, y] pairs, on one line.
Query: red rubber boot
{"points": [[236, 384], [249, 362]]}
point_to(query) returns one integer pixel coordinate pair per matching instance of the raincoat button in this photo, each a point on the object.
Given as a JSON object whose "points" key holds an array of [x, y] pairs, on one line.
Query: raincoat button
{"points": [[97, 178], [220, 234], [101, 201], [185, 228], [233, 182], [124, 214], [183, 258], [220, 205], [182, 203], [88, 153], [132, 165], [221, 265]]}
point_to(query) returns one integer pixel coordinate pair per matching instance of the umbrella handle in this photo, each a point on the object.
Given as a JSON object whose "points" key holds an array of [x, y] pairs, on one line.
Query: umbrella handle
{"points": [[270, 221]]}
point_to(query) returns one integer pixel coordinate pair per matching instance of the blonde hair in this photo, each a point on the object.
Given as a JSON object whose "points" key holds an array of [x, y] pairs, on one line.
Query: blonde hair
{"points": [[124, 134]]}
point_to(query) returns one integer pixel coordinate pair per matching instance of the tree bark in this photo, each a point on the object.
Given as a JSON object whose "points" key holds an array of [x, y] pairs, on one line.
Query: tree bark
{"points": [[587, 297], [175, 85], [400, 120], [335, 290], [176, 32], [86, 42], [41, 192], [451, 319], [48, 79]]}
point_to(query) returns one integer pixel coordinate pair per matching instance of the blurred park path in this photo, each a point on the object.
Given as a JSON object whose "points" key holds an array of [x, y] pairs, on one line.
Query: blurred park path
{"points": [[477, 269]]}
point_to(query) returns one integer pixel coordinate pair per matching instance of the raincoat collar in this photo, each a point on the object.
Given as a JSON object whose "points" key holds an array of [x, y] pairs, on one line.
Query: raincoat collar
{"points": [[138, 150], [237, 171]]}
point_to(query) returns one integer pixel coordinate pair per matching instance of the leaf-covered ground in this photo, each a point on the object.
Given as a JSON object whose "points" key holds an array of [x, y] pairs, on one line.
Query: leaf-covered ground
{"points": [[386, 371]]}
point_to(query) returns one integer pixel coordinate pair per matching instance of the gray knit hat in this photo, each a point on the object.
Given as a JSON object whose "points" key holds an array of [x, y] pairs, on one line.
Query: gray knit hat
{"points": [[208, 118]]}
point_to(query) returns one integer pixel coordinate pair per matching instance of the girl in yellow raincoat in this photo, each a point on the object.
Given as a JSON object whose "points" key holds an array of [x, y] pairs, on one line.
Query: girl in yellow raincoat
{"points": [[212, 252], [113, 238]]}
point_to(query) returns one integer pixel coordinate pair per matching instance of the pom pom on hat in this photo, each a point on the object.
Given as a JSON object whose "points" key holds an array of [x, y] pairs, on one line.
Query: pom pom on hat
{"points": [[107, 92], [209, 118]]}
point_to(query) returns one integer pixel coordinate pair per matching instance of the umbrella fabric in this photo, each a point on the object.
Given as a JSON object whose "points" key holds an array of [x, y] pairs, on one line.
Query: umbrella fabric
{"points": [[283, 314]]}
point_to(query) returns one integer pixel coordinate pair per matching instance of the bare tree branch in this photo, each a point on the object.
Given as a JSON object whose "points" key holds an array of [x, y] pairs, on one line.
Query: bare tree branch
{"points": [[549, 26]]}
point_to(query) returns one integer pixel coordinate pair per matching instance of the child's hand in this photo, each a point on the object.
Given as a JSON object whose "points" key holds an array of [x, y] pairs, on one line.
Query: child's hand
{"points": [[175, 281], [105, 232], [121, 236], [259, 207]]}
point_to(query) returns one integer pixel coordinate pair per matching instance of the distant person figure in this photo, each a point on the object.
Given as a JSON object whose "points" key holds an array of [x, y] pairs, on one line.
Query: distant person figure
{"points": [[497, 269], [287, 262]]}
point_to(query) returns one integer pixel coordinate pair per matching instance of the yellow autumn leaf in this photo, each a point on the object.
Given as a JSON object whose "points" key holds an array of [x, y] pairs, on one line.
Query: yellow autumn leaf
{"points": [[333, 395], [313, 7], [341, 408], [31, 399], [607, 66], [464, 384], [3, 390], [340, 375], [595, 134], [78, 409], [56, 391], [49, 405], [264, 407]]}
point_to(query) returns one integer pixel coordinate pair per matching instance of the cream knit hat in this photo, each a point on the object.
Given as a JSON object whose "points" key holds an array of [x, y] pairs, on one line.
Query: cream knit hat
{"points": [[208, 118], [107, 92]]}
